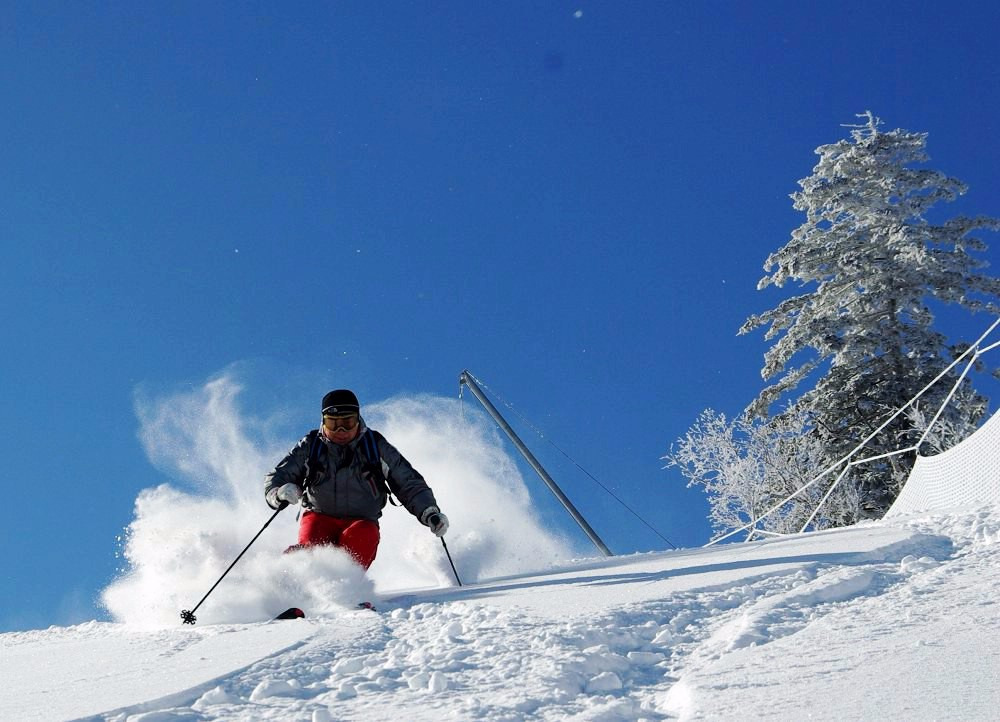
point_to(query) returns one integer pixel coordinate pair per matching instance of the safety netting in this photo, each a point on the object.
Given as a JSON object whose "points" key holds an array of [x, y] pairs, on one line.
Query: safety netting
{"points": [[967, 474]]}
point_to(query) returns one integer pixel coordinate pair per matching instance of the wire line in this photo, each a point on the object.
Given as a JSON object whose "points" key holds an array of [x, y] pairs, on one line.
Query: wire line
{"points": [[573, 461]]}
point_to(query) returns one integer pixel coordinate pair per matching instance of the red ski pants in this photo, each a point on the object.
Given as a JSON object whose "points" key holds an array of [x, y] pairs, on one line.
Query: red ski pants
{"points": [[359, 537]]}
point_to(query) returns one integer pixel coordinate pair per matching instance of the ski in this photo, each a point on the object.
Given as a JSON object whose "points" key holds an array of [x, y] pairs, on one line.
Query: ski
{"points": [[296, 613]]}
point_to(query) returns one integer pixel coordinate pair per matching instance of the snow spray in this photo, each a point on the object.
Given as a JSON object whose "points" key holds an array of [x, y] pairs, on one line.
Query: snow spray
{"points": [[184, 533]]}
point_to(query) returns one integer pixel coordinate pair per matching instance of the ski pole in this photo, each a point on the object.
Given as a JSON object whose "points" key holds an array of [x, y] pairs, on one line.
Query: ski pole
{"points": [[187, 615], [451, 562]]}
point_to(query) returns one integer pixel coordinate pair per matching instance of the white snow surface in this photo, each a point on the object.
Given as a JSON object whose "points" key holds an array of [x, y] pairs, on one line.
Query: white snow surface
{"points": [[897, 619]]}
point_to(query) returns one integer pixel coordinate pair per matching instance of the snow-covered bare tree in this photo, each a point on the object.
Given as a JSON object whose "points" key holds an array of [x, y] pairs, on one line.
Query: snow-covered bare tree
{"points": [[865, 332], [748, 465]]}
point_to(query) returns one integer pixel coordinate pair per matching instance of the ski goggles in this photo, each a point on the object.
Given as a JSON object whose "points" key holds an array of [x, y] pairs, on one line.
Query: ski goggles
{"points": [[341, 423]]}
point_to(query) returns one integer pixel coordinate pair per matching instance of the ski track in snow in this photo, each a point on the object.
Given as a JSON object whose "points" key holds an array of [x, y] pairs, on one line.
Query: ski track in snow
{"points": [[665, 652]]}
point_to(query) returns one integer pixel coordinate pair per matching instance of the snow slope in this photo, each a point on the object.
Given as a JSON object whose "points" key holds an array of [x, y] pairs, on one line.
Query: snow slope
{"points": [[94, 667], [889, 620]]}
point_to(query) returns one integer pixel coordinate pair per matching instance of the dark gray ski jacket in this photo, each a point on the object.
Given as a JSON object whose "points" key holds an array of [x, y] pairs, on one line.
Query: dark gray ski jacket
{"points": [[343, 488]]}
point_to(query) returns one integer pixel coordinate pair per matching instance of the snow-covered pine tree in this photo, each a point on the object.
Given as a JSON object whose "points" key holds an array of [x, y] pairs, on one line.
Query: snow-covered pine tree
{"points": [[866, 329]]}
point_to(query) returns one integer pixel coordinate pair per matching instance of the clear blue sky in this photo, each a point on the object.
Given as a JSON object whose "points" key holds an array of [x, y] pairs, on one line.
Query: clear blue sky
{"points": [[573, 200]]}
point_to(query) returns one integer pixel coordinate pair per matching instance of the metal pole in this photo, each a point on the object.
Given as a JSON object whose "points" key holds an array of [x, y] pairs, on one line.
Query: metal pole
{"points": [[467, 379]]}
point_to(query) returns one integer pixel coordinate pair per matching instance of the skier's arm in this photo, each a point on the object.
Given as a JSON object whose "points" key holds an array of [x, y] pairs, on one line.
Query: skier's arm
{"points": [[405, 481], [290, 470]]}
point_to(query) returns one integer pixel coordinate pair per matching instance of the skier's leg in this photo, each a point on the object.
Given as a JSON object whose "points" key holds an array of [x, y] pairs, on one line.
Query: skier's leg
{"points": [[316, 528], [361, 539]]}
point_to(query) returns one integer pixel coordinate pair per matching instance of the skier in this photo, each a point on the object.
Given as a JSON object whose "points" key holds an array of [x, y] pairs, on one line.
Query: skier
{"points": [[342, 473]]}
